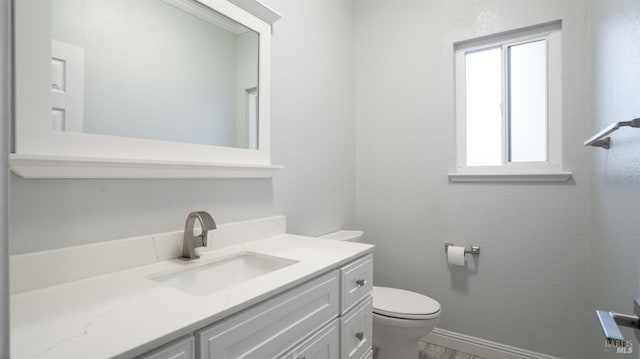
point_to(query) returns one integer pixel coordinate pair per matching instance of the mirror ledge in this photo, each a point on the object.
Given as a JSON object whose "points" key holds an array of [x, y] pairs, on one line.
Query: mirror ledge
{"points": [[29, 166], [258, 9]]}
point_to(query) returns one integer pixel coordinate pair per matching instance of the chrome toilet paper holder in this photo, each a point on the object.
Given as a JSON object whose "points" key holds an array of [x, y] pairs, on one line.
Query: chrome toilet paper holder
{"points": [[472, 250]]}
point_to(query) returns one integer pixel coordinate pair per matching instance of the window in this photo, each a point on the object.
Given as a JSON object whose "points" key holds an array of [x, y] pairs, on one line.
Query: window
{"points": [[508, 109]]}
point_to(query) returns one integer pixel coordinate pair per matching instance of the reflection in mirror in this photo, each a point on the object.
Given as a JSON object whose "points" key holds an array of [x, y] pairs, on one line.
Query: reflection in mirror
{"points": [[170, 70]]}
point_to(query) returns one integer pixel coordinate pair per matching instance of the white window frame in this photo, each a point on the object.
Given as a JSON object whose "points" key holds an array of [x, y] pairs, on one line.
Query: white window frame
{"points": [[550, 170]]}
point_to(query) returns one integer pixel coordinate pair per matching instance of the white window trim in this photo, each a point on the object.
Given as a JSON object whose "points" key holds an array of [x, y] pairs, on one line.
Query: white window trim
{"points": [[551, 170]]}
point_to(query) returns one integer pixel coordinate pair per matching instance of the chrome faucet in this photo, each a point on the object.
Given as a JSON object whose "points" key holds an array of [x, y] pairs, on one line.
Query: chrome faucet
{"points": [[191, 242]]}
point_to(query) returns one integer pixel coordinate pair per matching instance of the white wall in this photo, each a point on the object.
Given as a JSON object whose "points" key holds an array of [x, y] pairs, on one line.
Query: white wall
{"points": [[312, 129], [616, 172], [313, 114], [528, 288]]}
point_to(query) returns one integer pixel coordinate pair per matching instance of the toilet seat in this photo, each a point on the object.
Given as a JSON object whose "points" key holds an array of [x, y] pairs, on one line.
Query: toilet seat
{"points": [[403, 304]]}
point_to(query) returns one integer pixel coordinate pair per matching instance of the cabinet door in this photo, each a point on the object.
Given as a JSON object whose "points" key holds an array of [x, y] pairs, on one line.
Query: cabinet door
{"points": [[357, 282], [269, 329], [180, 349], [356, 330], [325, 344]]}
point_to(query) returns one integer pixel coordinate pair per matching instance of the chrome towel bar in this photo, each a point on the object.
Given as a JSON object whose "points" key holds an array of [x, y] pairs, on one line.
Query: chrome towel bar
{"points": [[601, 139]]}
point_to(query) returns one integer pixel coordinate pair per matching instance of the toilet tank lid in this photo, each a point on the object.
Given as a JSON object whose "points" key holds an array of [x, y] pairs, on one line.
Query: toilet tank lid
{"points": [[353, 236], [403, 303]]}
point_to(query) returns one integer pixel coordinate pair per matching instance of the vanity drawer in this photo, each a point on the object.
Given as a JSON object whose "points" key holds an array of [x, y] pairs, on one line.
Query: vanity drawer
{"points": [[356, 331], [180, 349], [325, 344], [357, 279], [268, 329]]}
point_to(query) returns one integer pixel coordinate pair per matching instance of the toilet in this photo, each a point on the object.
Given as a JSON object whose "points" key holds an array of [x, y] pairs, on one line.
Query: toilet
{"points": [[400, 317]]}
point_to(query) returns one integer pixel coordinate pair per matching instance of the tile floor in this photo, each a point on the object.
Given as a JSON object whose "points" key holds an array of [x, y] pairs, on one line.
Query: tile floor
{"points": [[432, 351]]}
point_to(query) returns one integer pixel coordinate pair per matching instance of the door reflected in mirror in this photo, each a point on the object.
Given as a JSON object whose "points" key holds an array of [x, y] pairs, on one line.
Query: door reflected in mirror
{"points": [[169, 70]]}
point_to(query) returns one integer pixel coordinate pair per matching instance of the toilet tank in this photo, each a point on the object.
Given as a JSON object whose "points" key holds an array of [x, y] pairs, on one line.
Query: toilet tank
{"points": [[351, 236]]}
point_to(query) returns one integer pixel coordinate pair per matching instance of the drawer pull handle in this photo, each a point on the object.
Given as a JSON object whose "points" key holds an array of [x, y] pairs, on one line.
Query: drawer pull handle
{"points": [[361, 282], [360, 336]]}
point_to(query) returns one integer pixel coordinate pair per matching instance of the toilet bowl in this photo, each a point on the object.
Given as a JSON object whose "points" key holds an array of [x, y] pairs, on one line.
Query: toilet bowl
{"points": [[400, 317]]}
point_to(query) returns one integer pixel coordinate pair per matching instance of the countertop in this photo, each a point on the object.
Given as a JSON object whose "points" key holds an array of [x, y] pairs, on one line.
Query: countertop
{"points": [[125, 313]]}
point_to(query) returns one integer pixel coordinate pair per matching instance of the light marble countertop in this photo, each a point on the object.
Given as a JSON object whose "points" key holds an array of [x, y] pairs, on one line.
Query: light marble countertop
{"points": [[124, 314]]}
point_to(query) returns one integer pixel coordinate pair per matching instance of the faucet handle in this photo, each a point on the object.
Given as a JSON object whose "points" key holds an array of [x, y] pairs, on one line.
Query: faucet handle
{"points": [[206, 222]]}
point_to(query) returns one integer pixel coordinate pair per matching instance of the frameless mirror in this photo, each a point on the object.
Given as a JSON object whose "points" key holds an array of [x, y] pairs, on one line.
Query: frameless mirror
{"points": [[169, 70]]}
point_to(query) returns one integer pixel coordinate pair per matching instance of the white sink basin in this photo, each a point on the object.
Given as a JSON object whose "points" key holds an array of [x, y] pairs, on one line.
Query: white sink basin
{"points": [[213, 276]]}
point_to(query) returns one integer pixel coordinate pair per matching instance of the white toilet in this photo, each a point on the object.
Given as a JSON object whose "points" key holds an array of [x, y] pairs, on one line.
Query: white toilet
{"points": [[400, 317]]}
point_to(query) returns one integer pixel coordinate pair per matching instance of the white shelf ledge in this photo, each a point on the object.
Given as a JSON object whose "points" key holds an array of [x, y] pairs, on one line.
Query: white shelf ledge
{"points": [[76, 167], [259, 10], [510, 177]]}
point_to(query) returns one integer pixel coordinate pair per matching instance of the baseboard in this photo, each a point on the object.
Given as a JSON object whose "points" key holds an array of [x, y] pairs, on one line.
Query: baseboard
{"points": [[480, 347]]}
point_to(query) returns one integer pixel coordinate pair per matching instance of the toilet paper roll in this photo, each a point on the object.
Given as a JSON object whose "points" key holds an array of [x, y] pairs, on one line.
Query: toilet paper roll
{"points": [[455, 255]]}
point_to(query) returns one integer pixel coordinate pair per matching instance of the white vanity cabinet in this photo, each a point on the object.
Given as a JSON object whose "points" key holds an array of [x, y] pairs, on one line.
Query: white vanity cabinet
{"points": [[355, 323], [357, 282], [180, 349], [328, 317], [356, 330], [270, 328], [356, 320], [325, 344], [318, 306]]}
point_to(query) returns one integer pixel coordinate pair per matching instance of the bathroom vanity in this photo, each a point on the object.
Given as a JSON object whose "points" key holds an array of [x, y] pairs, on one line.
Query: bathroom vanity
{"points": [[90, 105], [86, 109], [282, 296]]}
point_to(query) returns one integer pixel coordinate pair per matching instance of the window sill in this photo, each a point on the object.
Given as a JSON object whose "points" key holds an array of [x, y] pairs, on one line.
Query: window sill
{"points": [[510, 177]]}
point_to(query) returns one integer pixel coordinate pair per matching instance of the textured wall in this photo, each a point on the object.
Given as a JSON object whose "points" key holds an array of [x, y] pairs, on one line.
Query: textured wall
{"points": [[313, 114], [312, 136], [528, 288], [615, 216]]}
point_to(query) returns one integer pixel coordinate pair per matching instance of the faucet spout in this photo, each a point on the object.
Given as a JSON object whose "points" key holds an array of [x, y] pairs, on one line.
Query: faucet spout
{"points": [[190, 241]]}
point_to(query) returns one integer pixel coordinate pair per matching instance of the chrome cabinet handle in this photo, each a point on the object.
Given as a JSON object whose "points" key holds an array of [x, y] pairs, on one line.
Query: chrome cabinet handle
{"points": [[361, 282], [360, 336]]}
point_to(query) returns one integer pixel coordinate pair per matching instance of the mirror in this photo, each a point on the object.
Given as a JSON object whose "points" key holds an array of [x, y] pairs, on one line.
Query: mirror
{"points": [[169, 70], [142, 89]]}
